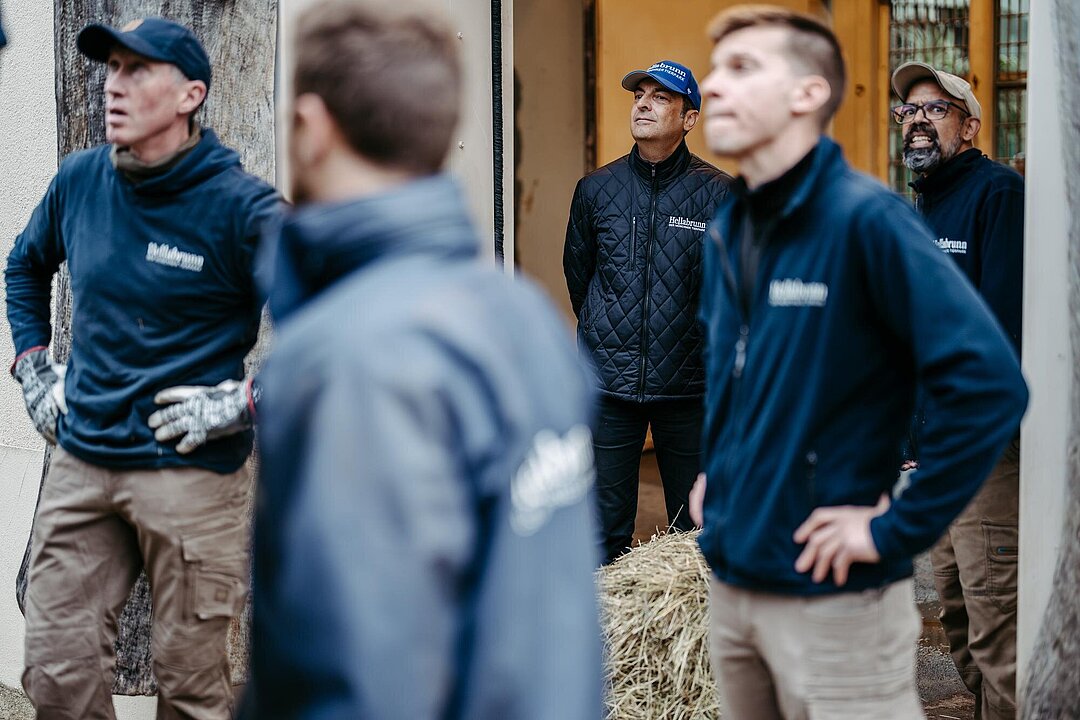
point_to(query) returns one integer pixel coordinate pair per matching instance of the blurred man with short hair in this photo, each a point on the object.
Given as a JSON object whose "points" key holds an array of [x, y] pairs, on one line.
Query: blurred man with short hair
{"points": [[424, 545], [825, 300]]}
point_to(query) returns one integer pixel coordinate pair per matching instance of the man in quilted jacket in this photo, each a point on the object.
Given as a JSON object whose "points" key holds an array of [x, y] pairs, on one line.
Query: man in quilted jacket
{"points": [[633, 268]]}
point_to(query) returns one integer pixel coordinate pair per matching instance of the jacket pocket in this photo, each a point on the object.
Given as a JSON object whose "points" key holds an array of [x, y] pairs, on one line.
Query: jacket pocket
{"points": [[215, 572], [588, 312], [1002, 564], [583, 316]]}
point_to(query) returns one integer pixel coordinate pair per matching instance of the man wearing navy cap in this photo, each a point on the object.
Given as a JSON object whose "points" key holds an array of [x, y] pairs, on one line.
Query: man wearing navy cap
{"points": [[633, 266], [158, 229]]}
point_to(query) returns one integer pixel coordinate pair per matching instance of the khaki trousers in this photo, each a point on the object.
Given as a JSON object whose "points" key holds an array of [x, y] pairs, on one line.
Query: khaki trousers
{"points": [[95, 529], [975, 571], [835, 657]]}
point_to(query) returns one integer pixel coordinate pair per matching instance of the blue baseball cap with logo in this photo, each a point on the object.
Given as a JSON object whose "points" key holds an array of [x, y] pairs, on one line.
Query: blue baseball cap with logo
{"points": [[155, 38], [672, 75]]}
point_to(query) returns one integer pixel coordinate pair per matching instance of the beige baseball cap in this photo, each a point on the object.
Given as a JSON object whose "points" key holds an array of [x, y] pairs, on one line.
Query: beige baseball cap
{"points": [[912, 72]]}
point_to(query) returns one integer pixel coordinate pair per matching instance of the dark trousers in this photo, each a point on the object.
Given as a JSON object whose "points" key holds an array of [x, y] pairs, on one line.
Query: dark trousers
{"points": [[618, 442]]}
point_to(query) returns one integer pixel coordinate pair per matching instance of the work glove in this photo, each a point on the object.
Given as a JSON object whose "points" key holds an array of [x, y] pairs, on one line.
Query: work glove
{"points": [[197, 413], [42, 383]]}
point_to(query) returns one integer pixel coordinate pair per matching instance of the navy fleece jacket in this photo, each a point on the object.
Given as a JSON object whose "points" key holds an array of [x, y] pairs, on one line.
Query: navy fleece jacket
{"points": [[809, 394], [975, 207], [162, 294]]}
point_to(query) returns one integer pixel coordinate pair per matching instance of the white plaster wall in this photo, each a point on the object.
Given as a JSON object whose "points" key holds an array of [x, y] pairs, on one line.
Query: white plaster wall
{"points": [[27, 163], [1047, 353], [20, 473]]}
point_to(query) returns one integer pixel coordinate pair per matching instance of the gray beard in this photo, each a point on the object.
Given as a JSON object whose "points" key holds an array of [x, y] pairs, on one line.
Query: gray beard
{"points": [[922, 160]]}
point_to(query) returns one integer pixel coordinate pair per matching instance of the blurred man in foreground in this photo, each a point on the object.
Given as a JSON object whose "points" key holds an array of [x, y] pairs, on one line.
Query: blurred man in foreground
{"points": [[424, 545]]}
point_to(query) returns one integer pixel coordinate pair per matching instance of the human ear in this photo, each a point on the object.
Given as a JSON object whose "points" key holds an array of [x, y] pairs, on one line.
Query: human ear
{"points": [[970, 128], [311, 129], [194, 94], [810, 95], [689, 120]]}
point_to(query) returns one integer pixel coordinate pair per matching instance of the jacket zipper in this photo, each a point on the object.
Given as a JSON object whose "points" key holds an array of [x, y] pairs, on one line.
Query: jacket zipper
{"points": [[648, 282], [811, 474], [741, 343], [744, 321], [633, 239]]}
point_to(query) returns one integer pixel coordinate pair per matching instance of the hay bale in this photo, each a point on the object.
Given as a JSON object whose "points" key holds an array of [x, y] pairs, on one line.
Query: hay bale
{"points": [[655, 614]]}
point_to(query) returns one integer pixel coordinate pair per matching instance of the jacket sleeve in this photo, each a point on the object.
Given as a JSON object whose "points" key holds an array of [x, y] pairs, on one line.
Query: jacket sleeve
{"points": [[262, 214], [35, 258], [379, 535], [1002, 271], [579, 252], [967, 368]]}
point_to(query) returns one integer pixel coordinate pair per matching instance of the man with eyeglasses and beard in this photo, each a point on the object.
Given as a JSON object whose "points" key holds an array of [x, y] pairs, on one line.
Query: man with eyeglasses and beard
{"points": [[975, 207]]}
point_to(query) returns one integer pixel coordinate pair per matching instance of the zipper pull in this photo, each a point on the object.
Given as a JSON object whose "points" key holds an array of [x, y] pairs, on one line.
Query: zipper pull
{"points": [[740, 351]]}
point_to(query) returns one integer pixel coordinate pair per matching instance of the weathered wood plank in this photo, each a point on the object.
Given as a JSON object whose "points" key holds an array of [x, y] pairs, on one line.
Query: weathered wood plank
{"points": [[239, 36]]}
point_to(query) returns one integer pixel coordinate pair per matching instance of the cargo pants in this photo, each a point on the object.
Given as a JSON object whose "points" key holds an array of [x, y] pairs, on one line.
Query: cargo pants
{"points": [[975, 571], [95, 529]]}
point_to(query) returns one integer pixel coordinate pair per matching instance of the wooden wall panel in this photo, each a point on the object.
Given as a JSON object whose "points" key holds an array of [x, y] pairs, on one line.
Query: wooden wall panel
{"points": [[633, 34]]}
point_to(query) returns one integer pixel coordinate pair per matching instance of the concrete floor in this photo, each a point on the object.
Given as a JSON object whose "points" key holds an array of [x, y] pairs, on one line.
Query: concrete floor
{"points": [[943, 695]]}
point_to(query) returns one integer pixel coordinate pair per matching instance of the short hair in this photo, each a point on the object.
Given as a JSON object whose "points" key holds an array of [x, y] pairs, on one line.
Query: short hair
{"points": [[388, 73], [687, 105], [811, 47]]}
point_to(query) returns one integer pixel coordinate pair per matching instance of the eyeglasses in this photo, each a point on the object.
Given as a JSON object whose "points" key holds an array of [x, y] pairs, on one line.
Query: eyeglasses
{"points": [[933, 110]]}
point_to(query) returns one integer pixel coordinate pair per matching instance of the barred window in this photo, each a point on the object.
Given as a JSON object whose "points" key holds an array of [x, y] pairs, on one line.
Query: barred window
{"points": [[930, 31], [1010, 84]]}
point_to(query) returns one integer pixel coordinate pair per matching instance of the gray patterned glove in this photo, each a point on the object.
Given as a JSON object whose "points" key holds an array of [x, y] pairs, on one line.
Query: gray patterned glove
{"points": [[42, 383], [203, 412]]}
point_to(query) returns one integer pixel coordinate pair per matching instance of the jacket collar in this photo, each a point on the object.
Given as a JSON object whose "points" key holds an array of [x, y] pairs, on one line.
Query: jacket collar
{"points": [[946, 175], [770, 200], [827, 162], [207, 158], [666, 170], [319, 244]]}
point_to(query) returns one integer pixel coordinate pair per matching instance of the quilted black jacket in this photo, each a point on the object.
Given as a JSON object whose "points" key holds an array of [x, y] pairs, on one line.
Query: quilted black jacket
{"points": [[633, 268]]}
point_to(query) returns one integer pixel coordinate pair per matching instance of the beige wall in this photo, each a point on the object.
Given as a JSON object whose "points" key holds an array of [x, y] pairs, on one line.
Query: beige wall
{"points": [[550, 66], [632, 35]]}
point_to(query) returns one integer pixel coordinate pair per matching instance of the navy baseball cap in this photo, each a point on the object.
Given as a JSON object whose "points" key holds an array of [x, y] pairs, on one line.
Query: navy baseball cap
{"points": [[156, 38], [672, 75]]}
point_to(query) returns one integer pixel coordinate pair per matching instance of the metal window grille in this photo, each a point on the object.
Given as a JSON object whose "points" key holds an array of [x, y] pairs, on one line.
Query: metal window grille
{"points": [[930, 31], [1011, 81]]}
